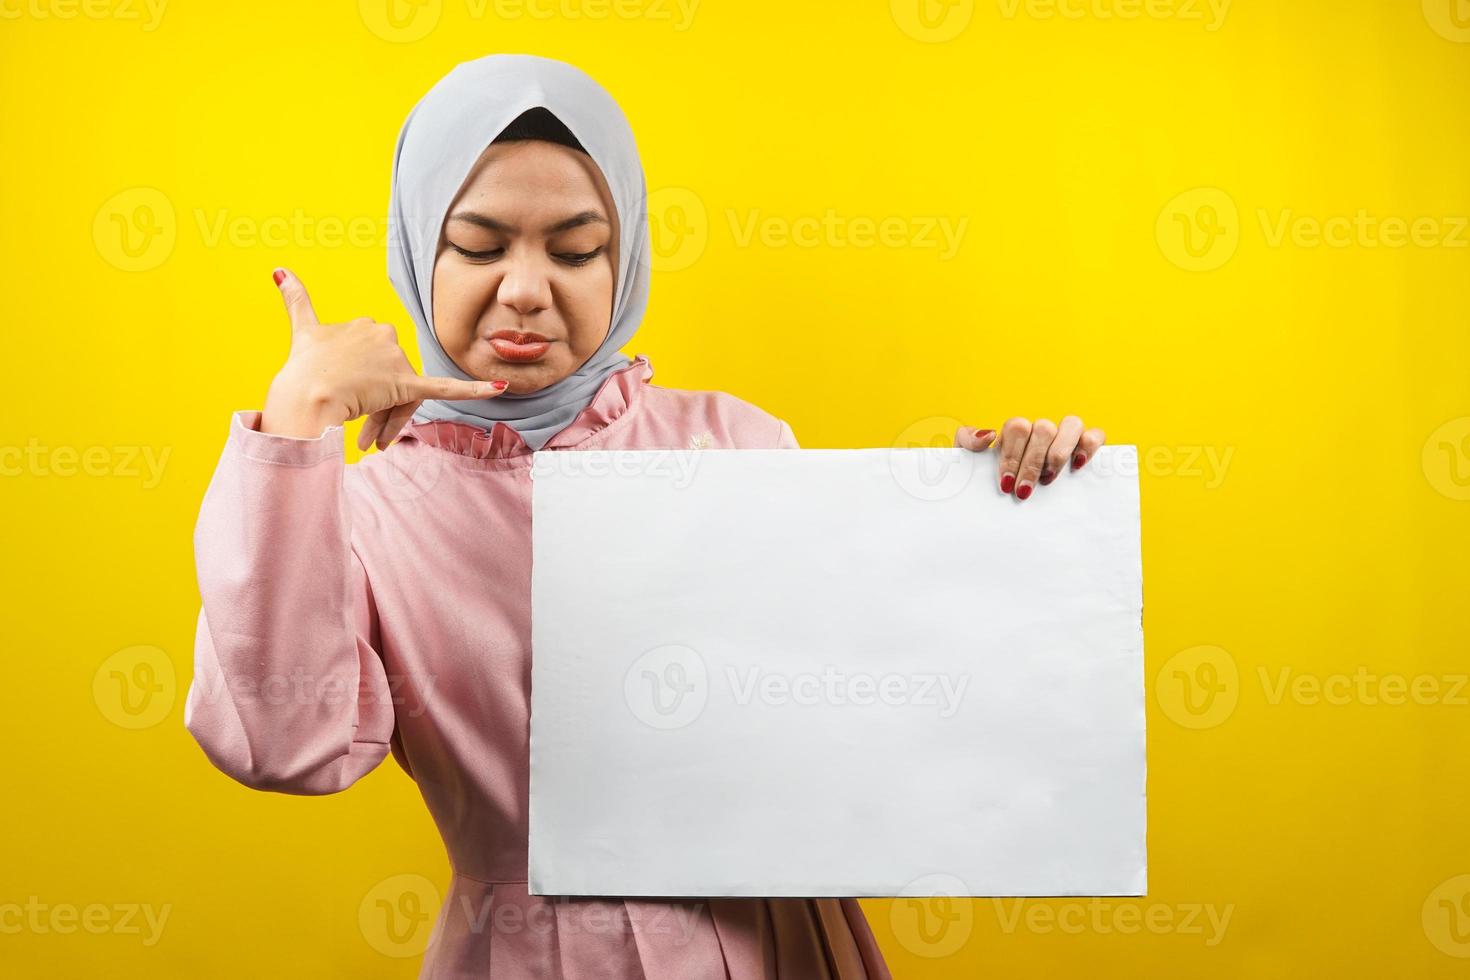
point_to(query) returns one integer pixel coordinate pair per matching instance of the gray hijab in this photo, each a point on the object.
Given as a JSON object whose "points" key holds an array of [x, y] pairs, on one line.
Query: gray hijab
{"points": [[440, 141]]}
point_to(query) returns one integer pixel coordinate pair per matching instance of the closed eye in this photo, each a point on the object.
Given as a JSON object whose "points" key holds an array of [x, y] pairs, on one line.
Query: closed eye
{"points": [[570, 258], [580, 258], [477, 256]]}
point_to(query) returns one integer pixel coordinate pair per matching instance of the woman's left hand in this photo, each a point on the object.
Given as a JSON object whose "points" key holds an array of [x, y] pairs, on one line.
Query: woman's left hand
{"points": [[1033, 453]]}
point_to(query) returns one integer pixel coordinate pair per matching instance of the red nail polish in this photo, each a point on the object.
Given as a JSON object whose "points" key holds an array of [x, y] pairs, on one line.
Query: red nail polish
{"points": [[1078, 460], [1007, 483], [1023, 491], [279, 276], [1047, 476], [983, 434], [500, 385]]}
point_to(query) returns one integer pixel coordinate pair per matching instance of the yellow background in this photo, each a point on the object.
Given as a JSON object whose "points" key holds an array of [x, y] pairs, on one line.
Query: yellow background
{"points": [[1329, 383]]}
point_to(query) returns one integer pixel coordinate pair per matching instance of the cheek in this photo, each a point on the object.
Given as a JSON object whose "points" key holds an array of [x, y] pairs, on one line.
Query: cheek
{"points": [[452, 306], [591, 302]]}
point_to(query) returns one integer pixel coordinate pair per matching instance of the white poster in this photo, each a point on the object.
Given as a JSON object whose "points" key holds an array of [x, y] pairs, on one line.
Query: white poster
{"points": [[834, 673]]}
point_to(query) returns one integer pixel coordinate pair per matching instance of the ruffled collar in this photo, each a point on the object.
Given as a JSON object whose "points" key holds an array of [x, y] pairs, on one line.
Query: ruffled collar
{"points": [[618, 395]]}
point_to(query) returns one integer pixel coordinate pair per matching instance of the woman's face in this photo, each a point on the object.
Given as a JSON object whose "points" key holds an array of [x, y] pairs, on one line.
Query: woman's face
{"points": [[523, 279]]}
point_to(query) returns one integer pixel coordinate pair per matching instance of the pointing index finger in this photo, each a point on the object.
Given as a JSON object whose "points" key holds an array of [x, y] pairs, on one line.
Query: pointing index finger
{"points": [[454, 389]]}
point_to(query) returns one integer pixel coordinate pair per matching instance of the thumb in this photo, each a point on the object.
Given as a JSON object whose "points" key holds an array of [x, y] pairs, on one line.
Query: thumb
{"points": [[975, 440], [298, 304]]}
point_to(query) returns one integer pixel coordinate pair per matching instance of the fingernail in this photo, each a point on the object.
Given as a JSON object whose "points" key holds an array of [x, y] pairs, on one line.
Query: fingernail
{"points": [[500, 385], [983, 434], [1023, 491], [1047, 476], [1078, 460], [279, 276], [1007, 483]]}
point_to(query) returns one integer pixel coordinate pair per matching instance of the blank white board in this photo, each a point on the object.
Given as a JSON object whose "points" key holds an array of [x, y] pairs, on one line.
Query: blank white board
{"points": [[834, 673]]}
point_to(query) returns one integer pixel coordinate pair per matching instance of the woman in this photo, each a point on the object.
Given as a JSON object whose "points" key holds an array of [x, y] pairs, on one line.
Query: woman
{"points": [[519, 244]]}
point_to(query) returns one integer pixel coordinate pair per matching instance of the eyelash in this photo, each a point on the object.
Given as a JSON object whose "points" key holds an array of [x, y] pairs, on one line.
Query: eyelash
{"points": [[578, 259]]}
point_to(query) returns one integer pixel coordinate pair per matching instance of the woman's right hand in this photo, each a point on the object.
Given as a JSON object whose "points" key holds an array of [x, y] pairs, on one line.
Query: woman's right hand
{"points": [[337, 372]]}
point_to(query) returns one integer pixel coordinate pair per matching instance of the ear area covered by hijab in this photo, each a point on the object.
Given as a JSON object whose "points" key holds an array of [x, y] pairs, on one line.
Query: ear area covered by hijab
{"points": [[440, 141]]}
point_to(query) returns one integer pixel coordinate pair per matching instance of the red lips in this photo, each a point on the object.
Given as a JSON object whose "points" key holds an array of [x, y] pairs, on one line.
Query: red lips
{"points": [[519, 346], [519, 337]]}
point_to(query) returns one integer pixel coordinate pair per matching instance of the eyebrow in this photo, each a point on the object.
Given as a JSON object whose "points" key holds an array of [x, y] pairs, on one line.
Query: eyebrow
{"points": [[485, 221]]}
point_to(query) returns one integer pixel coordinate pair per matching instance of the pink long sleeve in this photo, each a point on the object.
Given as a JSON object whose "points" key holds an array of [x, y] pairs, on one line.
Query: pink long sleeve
{"points": [[289, 693]]}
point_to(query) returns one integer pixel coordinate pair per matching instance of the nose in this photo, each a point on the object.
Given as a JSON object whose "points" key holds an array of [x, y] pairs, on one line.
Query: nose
{"points": [[525, 286]]}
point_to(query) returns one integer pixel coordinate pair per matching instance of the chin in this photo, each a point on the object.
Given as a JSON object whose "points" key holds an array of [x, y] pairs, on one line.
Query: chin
{"points": [[524, 377]]}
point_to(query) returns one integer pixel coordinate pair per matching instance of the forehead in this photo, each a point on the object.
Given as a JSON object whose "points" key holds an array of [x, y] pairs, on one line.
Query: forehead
{"points": [[536, 177]]}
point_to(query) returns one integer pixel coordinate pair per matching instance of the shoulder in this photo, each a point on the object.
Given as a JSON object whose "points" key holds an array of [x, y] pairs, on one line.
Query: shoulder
{"points": [[712, 405], [716, 418]]}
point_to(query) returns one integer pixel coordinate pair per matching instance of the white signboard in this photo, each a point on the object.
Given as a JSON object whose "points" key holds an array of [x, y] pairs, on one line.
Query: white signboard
{"points": [[834, 673]]}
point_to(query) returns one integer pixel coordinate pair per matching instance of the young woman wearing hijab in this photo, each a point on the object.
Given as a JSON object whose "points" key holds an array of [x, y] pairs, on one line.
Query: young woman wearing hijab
{"points": [[520, 247]]}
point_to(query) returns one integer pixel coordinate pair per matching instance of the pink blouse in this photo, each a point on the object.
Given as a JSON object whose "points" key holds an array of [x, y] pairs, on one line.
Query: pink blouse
{"points": [[392, 599]]}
